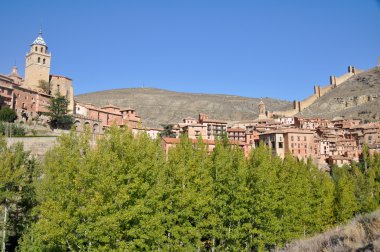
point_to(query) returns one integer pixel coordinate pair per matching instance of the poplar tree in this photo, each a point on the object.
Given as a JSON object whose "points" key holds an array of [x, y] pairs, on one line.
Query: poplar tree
{"points": [[345, 200], [17, 197], [185, 196], [229, 173], [264, 199]]}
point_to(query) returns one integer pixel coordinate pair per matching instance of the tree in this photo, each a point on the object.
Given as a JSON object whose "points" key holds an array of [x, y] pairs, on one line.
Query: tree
{"points": [[96, 198], [17, 198], [263, 185], [7, 115], [229, 173], [346, 204], [58, 112], [44, 85], [167, 130]]}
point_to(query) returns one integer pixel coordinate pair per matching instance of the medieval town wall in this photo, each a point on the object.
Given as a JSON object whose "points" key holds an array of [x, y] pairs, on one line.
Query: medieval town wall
{"points": [[319, 91]]}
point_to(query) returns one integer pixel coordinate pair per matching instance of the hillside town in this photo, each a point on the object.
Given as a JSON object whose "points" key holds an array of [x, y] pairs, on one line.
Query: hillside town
{"points": [[325, 142]]}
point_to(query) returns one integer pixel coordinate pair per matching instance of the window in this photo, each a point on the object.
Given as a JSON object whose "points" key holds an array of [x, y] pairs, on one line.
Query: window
{"points": [[280, 145], [299, 151], [41, 49], [298, 138], [304, 138], [292, 138], [39, 60], [43, 61], [35, 49]]}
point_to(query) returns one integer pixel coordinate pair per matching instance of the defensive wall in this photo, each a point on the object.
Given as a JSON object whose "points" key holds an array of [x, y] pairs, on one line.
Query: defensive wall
{"points": [[319, 91]]}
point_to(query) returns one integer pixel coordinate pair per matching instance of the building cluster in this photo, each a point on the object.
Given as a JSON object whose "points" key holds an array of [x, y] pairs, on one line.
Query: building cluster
{"points": [[30, 97], [326, 142]]}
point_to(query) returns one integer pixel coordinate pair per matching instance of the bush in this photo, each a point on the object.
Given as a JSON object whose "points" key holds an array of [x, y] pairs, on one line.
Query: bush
{"points": [[7, 115], [16, 130]]}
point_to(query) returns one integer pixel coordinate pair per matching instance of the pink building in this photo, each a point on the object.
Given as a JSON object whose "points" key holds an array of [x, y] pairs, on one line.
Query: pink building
{"points": [[298, 142], [28, 103], [168, 143], [215, 128], [109, 115], [236, 134]]}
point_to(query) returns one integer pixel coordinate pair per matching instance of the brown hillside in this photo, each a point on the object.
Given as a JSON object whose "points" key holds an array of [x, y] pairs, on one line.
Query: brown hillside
{"points": [[157, 106], [358, 97], [362, 235]]}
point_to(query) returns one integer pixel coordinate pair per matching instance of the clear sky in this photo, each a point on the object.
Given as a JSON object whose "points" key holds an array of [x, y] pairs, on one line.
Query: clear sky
{"points": [[250, 48]]}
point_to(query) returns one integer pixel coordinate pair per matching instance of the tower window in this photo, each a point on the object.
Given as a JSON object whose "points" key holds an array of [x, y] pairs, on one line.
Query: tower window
{"points": [[43, 61], [35, 49], [39, 60], [41, 49]]}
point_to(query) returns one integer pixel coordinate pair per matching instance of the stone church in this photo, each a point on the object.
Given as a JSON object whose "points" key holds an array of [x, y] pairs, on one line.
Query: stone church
{"points": [[30, 96]]}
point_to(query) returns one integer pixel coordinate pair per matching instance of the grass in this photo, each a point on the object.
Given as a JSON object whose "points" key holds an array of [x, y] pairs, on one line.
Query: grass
{"points": [[360, 234]]}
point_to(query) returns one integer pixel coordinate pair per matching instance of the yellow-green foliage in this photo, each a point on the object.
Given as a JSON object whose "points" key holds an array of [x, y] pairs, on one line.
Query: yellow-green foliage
{"points": [[123, 195]]}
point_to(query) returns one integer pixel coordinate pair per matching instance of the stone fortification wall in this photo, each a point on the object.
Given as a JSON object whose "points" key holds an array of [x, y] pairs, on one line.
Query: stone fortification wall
{"points": [[307, 102], [319, 91], [38, 146], [324, 90]]}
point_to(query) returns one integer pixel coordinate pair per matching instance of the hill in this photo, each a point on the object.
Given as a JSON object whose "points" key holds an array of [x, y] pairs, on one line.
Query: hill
{"points": [[362, 234], [157, 106], [358, 97]]}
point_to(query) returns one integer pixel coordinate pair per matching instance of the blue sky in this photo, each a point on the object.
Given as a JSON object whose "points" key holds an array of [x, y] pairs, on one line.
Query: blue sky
{"points": [[250, 48]]}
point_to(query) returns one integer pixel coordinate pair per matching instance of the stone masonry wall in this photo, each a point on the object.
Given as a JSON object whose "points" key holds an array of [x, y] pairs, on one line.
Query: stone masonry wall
{"points": [[38, 146]]}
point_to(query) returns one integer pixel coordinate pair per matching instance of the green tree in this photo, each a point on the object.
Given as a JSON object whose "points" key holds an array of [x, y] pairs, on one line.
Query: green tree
{"points": [[167, 130], [229, 174], [346, 204], [44, 85], [59, 113], [185, 197], [7, 115], [263, 186], [17, 197], [323, 198], [95, 198]]}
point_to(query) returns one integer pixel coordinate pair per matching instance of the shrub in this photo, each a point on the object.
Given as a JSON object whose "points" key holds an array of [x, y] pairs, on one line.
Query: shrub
{"points": [[16, 130], [7, 115]]}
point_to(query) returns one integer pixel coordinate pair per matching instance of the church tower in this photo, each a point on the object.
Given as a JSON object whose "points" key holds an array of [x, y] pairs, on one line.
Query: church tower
{"points": [[37, 66], [262, 112]]}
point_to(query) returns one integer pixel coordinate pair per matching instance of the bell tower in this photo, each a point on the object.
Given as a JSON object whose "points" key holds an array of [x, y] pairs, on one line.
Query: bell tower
{"points": [[37, 64], [262, 111]]}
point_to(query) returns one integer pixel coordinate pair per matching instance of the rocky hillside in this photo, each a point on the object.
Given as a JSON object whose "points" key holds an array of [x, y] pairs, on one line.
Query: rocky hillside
{"points": [[157, 106], [358, 97], [361, 234]]}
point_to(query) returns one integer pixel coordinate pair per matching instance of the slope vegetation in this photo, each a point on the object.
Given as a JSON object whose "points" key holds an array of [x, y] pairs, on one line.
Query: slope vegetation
{"points": [[362, 234], [157, 106]]}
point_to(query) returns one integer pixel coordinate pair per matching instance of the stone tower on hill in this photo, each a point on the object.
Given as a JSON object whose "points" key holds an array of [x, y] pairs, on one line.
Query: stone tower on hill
{"points": [[262, 111], [37, 65]]}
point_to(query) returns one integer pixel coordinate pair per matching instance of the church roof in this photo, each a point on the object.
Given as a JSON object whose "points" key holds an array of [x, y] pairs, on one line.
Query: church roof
{"points": [[39, 40]]}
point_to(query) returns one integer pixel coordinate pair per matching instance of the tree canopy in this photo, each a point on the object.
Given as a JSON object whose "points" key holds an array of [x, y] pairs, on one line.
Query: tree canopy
{"points": [[123, 194], [7, 115], [59, 112]]}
